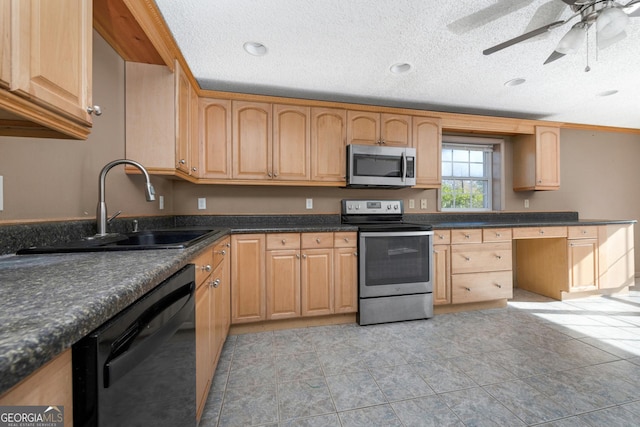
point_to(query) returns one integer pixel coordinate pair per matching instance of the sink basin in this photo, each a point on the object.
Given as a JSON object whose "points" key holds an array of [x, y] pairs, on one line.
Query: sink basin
{"points": [[177, 238]]}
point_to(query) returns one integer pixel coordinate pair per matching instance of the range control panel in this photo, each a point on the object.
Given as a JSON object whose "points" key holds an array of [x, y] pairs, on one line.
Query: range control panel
{"points": [[372, 207]]}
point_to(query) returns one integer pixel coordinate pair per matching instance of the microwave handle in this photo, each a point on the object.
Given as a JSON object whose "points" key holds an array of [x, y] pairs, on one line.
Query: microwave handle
{"points": [[404, 167]]}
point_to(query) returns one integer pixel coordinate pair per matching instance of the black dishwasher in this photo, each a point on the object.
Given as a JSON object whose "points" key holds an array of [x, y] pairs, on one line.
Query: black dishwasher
{"points": [[139, 368]]}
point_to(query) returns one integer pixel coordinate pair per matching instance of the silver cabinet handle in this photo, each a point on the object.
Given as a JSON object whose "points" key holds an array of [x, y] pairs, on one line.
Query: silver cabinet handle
{"points": [[467, 258], [284, 241], [298, 256], [346, 239], [304, 256], [318, 241], [206, 268], [468, 289], [355, 254], [467, 236], [215, 283], [499, 256], [498, 285]]}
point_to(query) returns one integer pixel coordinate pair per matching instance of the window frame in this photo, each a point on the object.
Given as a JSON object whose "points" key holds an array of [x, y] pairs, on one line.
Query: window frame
{"points": [[494, 177]]}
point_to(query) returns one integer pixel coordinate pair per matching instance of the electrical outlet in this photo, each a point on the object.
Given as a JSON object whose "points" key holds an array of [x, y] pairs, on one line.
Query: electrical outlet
{"points": [[309, 203], [526, 203], [412, 204], [202, 203], [423, 203], [161, 202]]}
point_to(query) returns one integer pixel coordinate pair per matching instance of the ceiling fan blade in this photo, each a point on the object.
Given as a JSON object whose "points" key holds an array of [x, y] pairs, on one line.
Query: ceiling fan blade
{"points": [[569, 2], [634, 13], [523, 37], [486, 15], [554, 56]]}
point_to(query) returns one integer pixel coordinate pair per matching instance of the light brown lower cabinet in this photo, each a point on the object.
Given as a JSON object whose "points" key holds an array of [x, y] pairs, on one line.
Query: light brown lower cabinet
{"points": [[288, 275], [441, 274], [213, 292], [49, 385]]}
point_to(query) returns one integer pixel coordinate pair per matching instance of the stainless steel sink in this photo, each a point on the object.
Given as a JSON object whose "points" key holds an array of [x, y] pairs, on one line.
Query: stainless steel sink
{"points": [[177, 238]]}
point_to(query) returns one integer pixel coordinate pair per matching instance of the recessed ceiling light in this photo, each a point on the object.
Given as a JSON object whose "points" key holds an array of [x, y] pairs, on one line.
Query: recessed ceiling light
{"points": [[514, 82], [400, 68], [255, 48], [608, 92]]}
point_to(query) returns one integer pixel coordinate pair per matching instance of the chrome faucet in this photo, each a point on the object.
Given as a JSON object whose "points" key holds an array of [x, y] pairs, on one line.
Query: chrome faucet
{"points": [[101, 214]]}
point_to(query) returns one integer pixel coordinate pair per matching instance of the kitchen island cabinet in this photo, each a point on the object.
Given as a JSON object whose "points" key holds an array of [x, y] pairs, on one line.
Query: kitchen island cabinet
{"points": [[46, 68]]}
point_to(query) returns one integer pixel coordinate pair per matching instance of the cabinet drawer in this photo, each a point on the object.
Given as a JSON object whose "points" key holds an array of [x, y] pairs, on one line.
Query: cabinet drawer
{"points": [[283, 241], [317, 240], [481, 286], [346, 239], [496, 235], [220, 251], [583, 232], [441, 237], [539, 232], [484, 257], [466, 236], [204, 266]]}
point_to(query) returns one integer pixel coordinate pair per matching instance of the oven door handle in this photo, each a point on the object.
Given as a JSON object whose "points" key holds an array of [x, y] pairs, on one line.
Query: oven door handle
{"points": [[395, 233], [118, 365]]}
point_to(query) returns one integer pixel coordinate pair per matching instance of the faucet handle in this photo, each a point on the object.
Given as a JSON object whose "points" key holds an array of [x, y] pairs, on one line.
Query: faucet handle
{"points": [[113, 216]]}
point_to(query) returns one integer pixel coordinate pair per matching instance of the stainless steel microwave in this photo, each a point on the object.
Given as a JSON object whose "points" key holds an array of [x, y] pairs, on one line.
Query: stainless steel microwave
{"points": [[377, 166]]}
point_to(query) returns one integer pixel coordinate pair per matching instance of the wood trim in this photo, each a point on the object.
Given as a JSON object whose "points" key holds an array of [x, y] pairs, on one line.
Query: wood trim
{"points": [[300, 322]]}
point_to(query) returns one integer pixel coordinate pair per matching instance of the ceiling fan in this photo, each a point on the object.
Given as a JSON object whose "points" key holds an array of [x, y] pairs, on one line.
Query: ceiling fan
{"points": [[610, 17]]}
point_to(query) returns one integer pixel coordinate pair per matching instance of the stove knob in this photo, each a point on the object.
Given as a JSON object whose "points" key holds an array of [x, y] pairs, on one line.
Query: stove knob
{"points": [[396, 207]]}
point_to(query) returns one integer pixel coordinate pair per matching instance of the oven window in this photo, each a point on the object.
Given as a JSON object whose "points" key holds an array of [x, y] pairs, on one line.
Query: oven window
{"points": [[369, 165], [392, 260]]}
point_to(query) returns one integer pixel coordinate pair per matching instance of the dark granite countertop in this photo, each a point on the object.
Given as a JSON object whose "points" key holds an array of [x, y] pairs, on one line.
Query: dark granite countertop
{"points": [[49, 302]]}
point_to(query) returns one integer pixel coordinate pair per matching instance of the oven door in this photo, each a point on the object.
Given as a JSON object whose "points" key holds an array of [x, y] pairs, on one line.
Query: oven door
{"points": [[395, 263]]}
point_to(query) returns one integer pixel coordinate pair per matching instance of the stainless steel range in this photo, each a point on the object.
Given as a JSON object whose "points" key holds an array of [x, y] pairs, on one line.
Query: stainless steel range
{"points": [[395, 279]]}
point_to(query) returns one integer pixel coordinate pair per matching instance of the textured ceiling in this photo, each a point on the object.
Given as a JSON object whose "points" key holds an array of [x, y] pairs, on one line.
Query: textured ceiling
{"points": [[342, 50]]}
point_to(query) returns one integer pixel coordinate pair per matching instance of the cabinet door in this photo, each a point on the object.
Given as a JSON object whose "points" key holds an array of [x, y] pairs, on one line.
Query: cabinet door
{"points": [[215, 138], [183, 126], [328, 147], [248, 278], [291, 143], [5, 43], [194, 133], [283, 284], [427, 140], [583, 264], [203, 345], [345, 280], [441, 274], [616, 265], [547, 157], [317, 282], [395, 130], [363, 127], [52, 54], [252, 140]]}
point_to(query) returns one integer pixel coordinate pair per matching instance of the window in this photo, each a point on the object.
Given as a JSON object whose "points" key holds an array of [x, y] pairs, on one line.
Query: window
{"points": [[471, 169]]}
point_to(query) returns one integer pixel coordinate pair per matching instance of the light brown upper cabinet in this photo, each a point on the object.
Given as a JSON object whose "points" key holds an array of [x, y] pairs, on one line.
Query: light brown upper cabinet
{"points": [[215, 138], [536, 160], [45, 67], [161, 119], [271, 141], [369, 128], [252, 140], [328, 144], [427, 140], [291, 142]]}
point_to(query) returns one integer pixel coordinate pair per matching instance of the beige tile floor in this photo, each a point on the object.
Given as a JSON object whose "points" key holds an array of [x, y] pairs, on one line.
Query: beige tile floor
{"points": [[536, 362]]}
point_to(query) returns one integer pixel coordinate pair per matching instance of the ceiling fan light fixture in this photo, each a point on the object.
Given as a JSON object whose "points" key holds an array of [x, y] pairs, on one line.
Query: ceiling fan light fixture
{"points": [[255, 48], [400, 68], [572, 41], [611, 22]]}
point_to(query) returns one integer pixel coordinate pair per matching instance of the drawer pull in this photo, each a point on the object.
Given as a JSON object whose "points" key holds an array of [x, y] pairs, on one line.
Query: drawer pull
{"points": [[498, 235], [355, 254], [284, 241], [346, 239], [499, 286], [304, 257], [206, 268], [541, 231], [467, 236], [499, 256], [298, 256], [318, 241], [468, 289], [584, 231], [467, 258], [215, 283], [228, 245], [441, 236]]}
